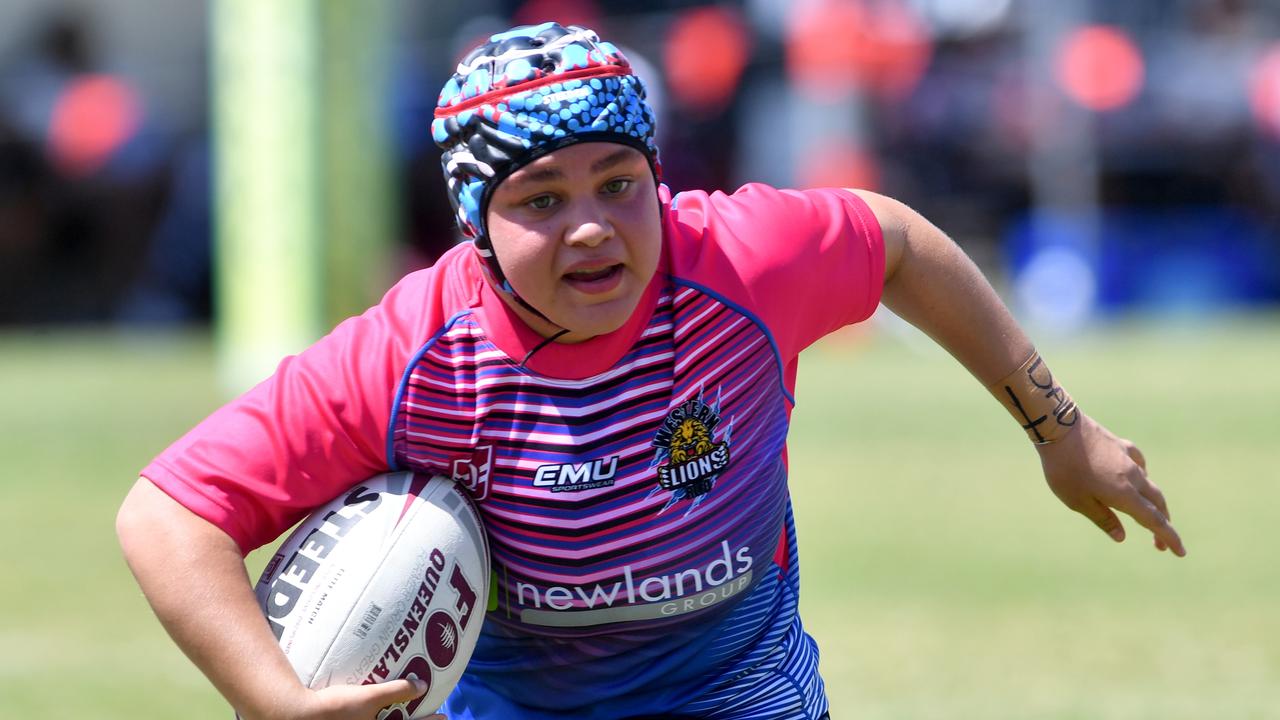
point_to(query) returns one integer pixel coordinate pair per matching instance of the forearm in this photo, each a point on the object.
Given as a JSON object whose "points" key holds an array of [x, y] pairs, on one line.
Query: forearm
{"points": [[194, 577]]}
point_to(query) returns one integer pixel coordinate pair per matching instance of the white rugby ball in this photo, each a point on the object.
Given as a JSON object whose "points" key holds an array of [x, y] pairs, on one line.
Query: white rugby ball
{"points": [[388, 580]]}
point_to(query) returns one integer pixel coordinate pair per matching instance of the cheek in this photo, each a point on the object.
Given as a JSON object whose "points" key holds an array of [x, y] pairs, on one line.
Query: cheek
{"points": [[527, 270], [516, 256], [523, 254], [646, 240]]}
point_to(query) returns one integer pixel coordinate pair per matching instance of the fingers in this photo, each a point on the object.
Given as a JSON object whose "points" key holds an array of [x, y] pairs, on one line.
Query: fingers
{"points": [[1151, 493], [1149, 516], [1135, 454], [395, 691], [1106, 520], [1144, 502], [1141, 510], [343, 701], [1092, 478], [1142, 482], [1149, 490]]}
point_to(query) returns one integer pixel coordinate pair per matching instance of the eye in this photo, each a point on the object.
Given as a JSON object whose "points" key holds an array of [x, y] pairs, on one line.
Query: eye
{"points": [[617, 185], [541, 202]]}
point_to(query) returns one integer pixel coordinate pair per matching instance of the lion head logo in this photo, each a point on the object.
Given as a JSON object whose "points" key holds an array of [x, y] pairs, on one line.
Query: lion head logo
{"points": [[691, 439]]}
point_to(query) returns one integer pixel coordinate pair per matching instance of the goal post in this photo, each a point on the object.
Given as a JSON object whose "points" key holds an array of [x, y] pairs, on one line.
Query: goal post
{"points": [[302, 202]]}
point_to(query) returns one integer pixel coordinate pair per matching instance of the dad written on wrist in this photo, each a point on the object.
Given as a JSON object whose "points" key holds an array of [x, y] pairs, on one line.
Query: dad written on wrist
{"points": [[1032, 396], [608, 369]]}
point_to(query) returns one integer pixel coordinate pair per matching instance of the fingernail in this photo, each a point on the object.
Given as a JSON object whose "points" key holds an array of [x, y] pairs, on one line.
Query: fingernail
{"points": [[1117, 534], [419, 684]]}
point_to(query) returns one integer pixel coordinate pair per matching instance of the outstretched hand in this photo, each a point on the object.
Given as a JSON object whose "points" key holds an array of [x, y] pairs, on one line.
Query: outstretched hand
{"points": [[1093, 472]]}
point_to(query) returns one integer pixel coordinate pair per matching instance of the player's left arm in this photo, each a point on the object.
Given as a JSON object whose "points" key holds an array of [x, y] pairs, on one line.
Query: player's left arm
{"points": [[931, 283]]}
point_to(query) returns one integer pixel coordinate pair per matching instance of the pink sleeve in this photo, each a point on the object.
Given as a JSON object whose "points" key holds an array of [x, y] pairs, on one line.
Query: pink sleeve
{"points": [[307, 433], [803, 262]]}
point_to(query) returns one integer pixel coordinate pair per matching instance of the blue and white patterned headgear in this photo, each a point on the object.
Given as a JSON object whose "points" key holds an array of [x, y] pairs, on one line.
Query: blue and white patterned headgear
{"points": [[527, 92]]}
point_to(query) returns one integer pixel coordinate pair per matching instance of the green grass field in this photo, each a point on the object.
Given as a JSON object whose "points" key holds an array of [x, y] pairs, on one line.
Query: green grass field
{"points": [[942, 578]]}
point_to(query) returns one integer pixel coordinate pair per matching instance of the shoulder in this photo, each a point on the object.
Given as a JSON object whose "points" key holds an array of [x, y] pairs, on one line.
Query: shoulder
{"points": [[762, 211], [762, 225]]}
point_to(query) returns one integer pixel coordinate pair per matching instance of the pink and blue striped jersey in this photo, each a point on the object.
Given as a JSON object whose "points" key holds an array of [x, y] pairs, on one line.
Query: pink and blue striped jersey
{"points": [[634, 486]]}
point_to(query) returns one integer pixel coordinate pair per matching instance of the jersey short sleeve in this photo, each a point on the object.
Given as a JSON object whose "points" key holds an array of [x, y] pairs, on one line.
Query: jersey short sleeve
{"points": [[311, 430], [804, 262]]}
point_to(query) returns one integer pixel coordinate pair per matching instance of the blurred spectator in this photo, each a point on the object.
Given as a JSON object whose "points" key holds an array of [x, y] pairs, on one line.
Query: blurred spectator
{"points": [[175, 282], [24, 211], [85, 170]]}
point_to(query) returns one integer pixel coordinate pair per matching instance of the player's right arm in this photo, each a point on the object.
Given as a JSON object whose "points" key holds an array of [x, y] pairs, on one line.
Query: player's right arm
{"points": [[193, 575]]}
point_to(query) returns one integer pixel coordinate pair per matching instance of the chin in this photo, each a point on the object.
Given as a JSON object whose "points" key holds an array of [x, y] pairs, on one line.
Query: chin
{"points": [[584, 328], [589, 319], [601, 319]]}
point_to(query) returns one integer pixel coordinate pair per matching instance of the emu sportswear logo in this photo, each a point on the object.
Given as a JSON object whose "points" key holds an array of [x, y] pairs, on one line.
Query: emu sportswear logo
{"points": [[576, 477], [690, 455]]}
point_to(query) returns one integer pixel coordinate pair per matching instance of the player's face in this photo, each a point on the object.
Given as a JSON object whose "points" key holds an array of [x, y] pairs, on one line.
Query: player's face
{"points": [[578, 233]]}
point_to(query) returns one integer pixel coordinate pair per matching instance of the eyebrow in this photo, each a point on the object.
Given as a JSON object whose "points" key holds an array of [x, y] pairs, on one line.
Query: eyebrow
{"points": [[614, 158], [553, 173]]}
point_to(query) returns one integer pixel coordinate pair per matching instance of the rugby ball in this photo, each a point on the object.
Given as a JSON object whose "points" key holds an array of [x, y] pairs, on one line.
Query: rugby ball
{"points": [[388, 580]]}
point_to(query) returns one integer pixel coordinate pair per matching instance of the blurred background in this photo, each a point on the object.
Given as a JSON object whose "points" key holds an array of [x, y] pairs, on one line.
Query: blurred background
{"points": [[1124, 156], [190, 190]]}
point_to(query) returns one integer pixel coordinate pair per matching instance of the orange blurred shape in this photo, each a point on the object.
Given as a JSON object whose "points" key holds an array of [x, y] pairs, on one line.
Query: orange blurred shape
{"points": [[705, 54], [93, 117], [1100, 67], [1264, 91], [582, 13], [837, 162], [836, 47]]}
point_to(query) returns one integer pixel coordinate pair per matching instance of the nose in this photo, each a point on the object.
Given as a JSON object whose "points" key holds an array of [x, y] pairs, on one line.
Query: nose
{"points": [[589, 225]]}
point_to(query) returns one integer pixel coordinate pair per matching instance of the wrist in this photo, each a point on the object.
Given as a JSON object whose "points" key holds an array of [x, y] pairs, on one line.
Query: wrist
{"points": [[270, 695], [1037, 401]]}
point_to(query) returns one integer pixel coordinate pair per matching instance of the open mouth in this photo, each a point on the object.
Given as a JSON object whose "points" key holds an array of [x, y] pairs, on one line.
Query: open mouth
{"points": [[595, 280]]}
